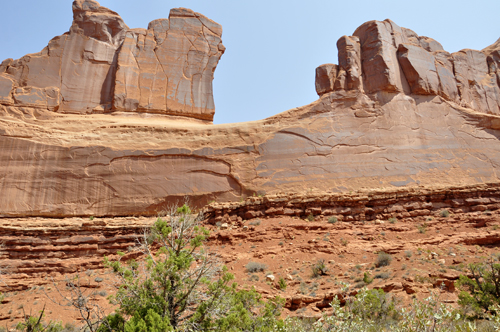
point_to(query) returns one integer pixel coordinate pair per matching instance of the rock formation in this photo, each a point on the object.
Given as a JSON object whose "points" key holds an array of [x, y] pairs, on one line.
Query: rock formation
{"points": [[396, 111], [381, 56], [101, 65]]}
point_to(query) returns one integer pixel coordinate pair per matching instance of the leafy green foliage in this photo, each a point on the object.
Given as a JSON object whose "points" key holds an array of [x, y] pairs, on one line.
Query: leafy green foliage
{"points": [[319, 268], [367, 279], [182, 286], [374, 304], [282, 283], [36, 324], [481, 291]]}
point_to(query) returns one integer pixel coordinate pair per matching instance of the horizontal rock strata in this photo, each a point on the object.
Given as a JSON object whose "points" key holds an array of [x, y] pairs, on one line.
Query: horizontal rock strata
{"points": [[397, 111], [38, 247], [361, 206]]}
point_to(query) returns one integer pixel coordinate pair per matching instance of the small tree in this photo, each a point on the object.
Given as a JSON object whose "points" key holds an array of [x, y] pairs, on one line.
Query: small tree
{"points": [[182, 285], [481, 291]]}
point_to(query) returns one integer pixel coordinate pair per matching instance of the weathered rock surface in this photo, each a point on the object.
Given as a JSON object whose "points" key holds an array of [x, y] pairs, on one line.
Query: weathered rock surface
{"points": [[101, 65], [383, 57], [397, 111]]}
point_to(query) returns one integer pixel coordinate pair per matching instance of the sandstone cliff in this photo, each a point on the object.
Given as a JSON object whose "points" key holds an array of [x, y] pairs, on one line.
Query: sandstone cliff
{"points": [[381, 56], [101, 65], [397, 111]]}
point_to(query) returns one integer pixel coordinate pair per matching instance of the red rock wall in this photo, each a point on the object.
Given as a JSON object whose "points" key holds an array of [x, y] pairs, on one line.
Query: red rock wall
{"points": [[396, 112], [101, 65], [381, 56]]}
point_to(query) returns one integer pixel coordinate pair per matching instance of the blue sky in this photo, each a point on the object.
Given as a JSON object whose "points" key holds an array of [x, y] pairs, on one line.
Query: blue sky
{"points": [[273, 47]]}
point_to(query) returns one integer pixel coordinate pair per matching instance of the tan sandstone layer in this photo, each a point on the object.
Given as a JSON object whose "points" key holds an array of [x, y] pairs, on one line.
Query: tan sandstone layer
{"points": [[397, 111]]}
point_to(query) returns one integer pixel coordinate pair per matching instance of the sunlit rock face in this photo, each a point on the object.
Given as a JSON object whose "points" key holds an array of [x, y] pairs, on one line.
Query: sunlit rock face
{"points": [[113, 121], [101, 65]]}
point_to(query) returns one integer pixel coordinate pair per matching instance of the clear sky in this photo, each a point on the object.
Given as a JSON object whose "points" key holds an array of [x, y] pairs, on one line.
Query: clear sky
{"points": [[273, 46]]}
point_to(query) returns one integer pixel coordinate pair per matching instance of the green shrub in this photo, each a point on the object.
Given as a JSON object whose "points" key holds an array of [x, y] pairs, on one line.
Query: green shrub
{"points": [[319, 268], [382, 275], [481, 291], [310, 217], [444, 213], [383, 259], [393, 220], [255, 267], [282, 283], [374, 305], [256, 222], [182, 287], [332, 220], [366, 278], [422, 228]]}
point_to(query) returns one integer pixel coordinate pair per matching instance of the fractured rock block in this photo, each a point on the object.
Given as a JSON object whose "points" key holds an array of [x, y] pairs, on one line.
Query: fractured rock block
{"points": [[325, 78], [350, 60], [478, 89], [447, 83], [48, 98], [169, 67], [381, 70], [6, 87], [419, 68], [102, 65]]}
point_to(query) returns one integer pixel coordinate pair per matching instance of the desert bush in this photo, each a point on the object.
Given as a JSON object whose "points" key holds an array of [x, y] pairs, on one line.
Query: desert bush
{"points": [[422, 228], [444, 213], [310, 217], [256, 222], [319, 268], [408, 253], [282, 283], [255, 267], [383, 259], [183, 286], [382, 275], [482, 291], [392, 220], [332, 220], [366, 278]]}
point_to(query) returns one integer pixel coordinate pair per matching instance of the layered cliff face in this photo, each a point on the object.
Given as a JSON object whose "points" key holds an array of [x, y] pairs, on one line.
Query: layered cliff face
{"points": [[397, 111], [101, 65]]}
